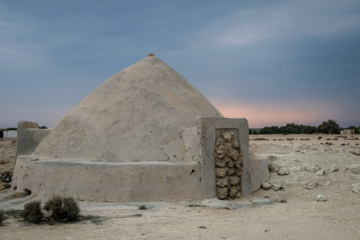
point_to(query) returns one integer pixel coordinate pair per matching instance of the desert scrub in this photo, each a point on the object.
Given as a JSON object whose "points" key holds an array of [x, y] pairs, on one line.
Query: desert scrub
{"points": [[56, 209], [62, 209], [2, 216], [142, 207], [32, 212]]}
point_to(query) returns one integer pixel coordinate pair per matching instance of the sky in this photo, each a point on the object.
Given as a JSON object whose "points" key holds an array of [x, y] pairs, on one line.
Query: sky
{"points": [[272, 62]]}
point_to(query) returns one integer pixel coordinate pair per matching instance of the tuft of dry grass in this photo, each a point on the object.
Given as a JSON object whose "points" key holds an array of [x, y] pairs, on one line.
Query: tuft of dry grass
{"points": [[32, 212], [62, 209], [2, 216]]}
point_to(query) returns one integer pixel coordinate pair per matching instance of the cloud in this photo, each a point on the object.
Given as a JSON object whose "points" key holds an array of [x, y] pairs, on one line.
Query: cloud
{"points": [[288, 20], [16, 51], [21, 56]]}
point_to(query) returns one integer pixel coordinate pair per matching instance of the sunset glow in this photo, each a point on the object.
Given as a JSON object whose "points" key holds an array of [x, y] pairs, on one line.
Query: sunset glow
{"points": [[274, 113]]}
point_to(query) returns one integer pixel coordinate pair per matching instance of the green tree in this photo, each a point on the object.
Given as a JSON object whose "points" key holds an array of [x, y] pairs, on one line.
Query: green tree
{"points": [[275, 129], [266, 130], [310, 130], [290, 128], [357, 131], [329, 127]]}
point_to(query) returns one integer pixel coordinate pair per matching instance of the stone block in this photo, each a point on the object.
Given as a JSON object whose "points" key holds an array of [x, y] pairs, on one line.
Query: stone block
{"points": [[259, 171]]}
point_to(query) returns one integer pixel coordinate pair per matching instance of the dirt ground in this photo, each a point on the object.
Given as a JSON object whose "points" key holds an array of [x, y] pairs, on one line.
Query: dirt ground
{"points": [[298, 161], [7, 155]]}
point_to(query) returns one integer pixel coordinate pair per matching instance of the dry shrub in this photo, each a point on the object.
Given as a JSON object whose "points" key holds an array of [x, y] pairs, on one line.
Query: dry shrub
{"points": [[62, 209], [59, 209], [142, 207], [32, 212], [70, 208], [2, 216]]}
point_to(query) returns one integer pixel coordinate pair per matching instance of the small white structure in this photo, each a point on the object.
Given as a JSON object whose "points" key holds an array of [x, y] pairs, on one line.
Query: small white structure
{"points": [[9, 133], [347, 132]]}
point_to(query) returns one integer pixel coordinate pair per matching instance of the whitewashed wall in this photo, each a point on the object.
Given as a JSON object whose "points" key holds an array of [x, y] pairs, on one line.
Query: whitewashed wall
{"points": [[10, 134]]}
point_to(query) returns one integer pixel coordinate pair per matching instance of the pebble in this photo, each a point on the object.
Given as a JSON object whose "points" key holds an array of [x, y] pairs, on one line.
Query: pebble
{"points": [[311, 168], [266, 185], [327, 184], [277, 185], [283, 171], [321, 172], [334, 168], [311, 185], [355, 188], [321, 198]]}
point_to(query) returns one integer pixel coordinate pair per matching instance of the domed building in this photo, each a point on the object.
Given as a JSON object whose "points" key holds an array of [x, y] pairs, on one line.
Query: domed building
{"points": [[145, 134]]}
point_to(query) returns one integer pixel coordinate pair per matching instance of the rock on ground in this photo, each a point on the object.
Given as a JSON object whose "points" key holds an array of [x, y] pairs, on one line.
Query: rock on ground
{"points": [[321, 198], [355, 188], [277, 185], [311, 168], [266, 185], [321, 172], [311, 185], [355, 168]]}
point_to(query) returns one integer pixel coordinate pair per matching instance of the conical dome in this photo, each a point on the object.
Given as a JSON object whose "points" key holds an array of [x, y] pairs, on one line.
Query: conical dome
{"points": [[139, 114]]}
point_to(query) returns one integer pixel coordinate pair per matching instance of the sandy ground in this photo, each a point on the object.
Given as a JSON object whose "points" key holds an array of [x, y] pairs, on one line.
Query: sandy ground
{"points": [[7, 155], [296, 215]]}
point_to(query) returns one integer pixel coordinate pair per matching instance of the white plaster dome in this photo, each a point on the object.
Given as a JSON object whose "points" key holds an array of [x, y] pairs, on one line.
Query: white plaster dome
{"points": [[139, 114]]}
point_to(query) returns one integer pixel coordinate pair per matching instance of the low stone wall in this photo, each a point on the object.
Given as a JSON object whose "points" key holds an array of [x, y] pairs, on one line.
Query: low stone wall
{"points": [[109, 182]]}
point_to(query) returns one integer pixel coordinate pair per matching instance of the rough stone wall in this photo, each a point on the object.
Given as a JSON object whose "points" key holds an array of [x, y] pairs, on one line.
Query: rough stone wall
{"points": [[228, 166]]}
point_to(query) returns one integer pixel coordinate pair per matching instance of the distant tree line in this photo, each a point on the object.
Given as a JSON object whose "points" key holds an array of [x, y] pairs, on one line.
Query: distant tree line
{"points": [[327, 127], [14, 128]]}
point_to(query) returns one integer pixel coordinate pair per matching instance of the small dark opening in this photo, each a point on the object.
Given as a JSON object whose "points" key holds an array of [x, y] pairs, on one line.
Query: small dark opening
{"points": [[27, 192]]}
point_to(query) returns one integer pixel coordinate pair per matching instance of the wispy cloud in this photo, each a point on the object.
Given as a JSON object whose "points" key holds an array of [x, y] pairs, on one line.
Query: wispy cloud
{"points": [[21, 56], [286, 20], [16, 51]]}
